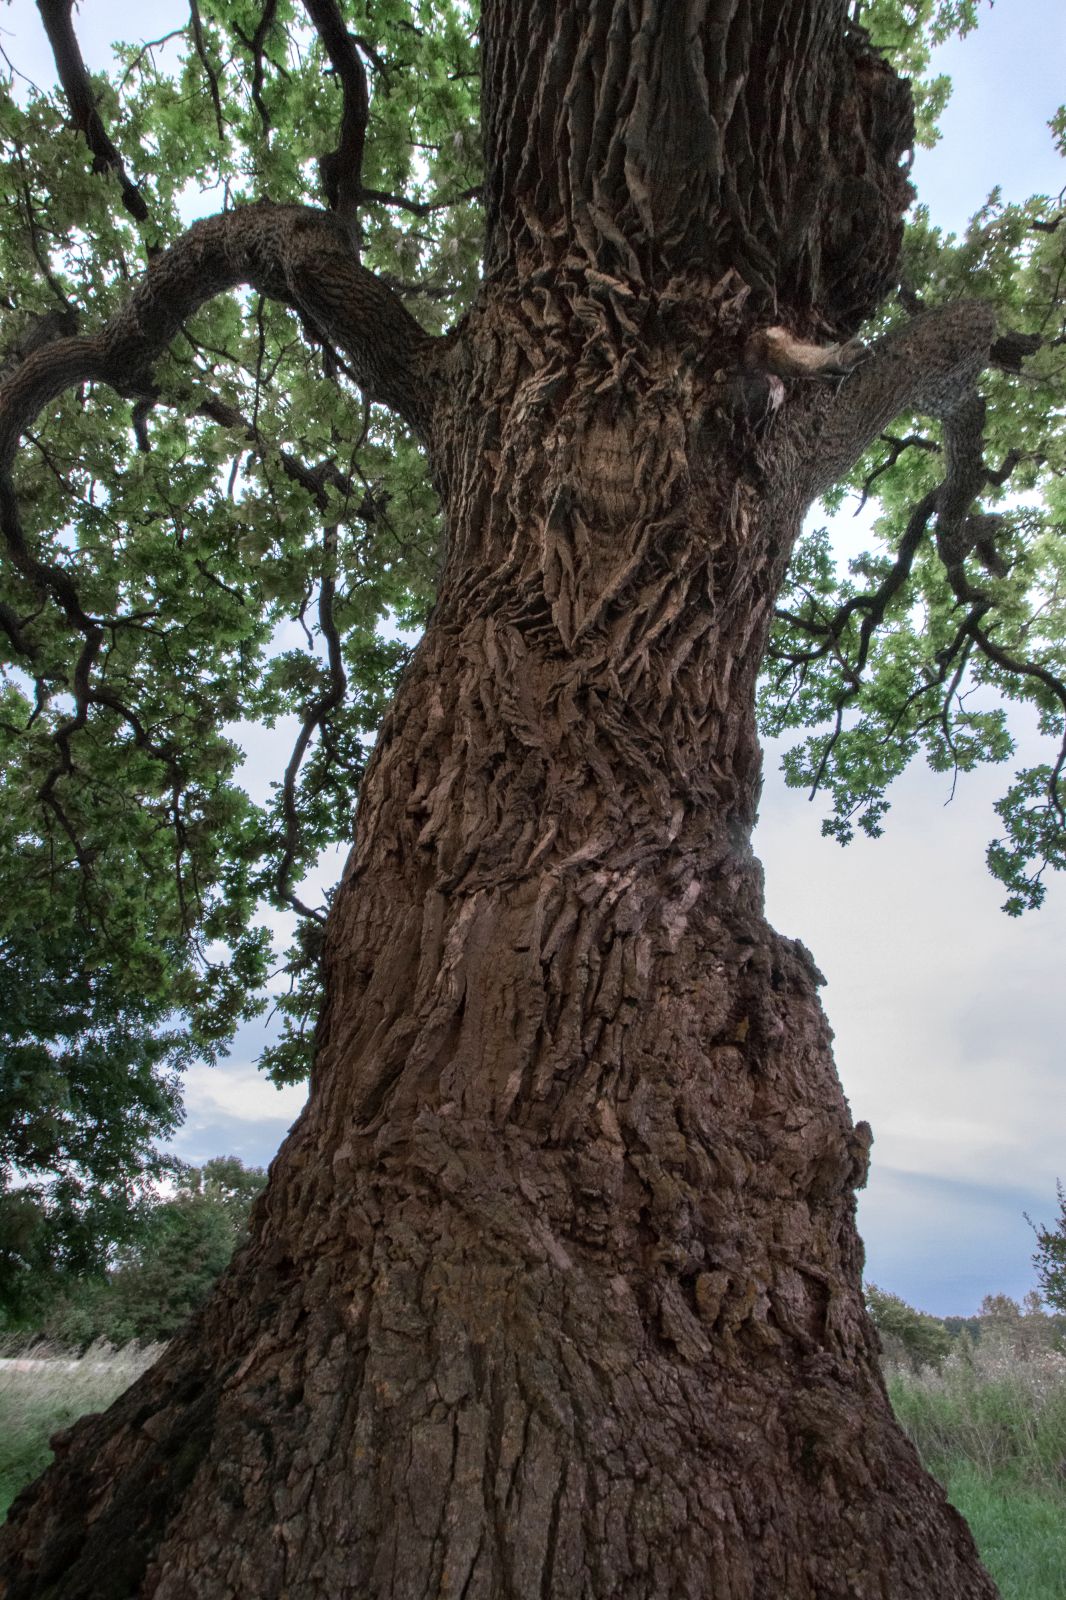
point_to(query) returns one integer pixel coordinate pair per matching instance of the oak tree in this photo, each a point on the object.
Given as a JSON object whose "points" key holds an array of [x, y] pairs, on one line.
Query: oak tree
{"points": [[544, 328]]}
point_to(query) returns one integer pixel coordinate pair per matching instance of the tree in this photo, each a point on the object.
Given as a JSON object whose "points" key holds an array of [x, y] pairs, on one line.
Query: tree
{"points": [[906, 1334], [1050, 1258], [89, 1078], [556, 1286], [166, 1272]]}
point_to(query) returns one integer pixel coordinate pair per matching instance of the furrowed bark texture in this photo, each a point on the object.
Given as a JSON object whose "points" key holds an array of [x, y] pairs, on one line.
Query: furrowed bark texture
{"points": [[555, 1291]]}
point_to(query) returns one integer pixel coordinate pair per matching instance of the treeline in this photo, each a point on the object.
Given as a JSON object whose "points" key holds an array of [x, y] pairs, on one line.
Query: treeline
{"points": [[914, 1339], [155, 1277]]}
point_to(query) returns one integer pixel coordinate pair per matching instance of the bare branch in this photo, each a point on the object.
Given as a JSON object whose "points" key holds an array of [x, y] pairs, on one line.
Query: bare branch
{"points": [[77, 86], [926, 365]]}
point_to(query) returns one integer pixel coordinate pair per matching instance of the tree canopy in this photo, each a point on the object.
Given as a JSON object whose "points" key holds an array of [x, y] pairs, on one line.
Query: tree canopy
{"points": [[213, 526]]}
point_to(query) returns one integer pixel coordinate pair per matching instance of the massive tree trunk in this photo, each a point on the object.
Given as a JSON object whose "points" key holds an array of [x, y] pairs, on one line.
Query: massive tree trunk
{"points": [[555, 1291]]}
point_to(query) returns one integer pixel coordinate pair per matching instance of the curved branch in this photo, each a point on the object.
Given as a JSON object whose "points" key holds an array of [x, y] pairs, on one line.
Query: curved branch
{"points": [[873, 605], [928, 365], [77, 86], [421, 208], [293, 254], [897, 446], [342, 169]]}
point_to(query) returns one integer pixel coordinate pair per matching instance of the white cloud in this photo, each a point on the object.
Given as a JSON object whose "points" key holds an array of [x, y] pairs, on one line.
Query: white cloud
{"points": [[241, 1092]]}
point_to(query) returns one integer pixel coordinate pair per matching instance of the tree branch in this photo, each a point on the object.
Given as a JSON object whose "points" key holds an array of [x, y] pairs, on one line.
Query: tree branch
{"points": [[293, 254], [897, 446], [331, 697], [316, 479], [342, 169], [927, 365], [420, 208], [257, 45], [77, 86], [200, 45]]}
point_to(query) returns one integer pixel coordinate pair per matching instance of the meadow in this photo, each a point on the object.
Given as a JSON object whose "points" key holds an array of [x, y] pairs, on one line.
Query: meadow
{"points": [[991, 1425], [43, 1389]]}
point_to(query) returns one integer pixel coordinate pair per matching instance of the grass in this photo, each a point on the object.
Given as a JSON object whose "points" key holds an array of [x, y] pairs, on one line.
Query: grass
{"points": [[992, 1427], [1020, 1531], [43, 1390]]}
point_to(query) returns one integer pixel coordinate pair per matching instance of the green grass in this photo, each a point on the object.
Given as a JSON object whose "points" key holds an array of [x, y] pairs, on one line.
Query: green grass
{"points": [[1020, 1531], [36, 1401], [992, 1427]]}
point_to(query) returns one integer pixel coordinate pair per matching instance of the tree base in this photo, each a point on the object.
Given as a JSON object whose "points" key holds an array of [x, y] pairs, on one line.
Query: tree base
{"points": [[461, 1406]]}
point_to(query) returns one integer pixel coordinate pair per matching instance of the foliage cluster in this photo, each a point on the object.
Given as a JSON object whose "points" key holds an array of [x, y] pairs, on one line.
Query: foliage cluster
{"points": [[908, 1336], [1050, 1257], [164, 1273], [1002, 1328]]}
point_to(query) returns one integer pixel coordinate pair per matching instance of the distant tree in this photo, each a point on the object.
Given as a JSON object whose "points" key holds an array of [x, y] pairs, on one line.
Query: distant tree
{"points": [[906, 1334], [1023, 1330], [1050, 1257], [89, 1081], [161, 1279]]}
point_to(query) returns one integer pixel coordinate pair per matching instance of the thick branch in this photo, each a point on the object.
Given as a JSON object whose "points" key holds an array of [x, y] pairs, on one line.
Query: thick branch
{"points": [[927, 365], [342, 169], [295, 255], [77, 86]]}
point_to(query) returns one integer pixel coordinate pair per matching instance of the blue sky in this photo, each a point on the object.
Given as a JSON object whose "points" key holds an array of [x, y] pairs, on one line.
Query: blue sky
{"points": [[948, 1015]]}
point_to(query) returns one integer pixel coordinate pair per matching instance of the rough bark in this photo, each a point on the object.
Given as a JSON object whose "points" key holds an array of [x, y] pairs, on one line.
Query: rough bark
{"points": [[555, 1290]]}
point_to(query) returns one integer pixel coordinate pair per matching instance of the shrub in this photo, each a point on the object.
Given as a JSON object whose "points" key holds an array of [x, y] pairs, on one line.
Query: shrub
{"points": [[1050, 1257], [909, 1337], [158, 1284]]}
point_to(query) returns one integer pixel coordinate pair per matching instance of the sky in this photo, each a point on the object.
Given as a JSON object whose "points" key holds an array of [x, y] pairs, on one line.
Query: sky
{"points": [[948, 1015]]}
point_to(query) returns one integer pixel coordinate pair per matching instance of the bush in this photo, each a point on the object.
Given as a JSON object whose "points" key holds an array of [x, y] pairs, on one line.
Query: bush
{"points": [[908, 1337], [1050, 1257], [158, 1284]]}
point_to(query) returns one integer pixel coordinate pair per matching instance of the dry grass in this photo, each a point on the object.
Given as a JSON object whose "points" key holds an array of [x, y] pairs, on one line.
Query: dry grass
{"points": [[43, 1389]]}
